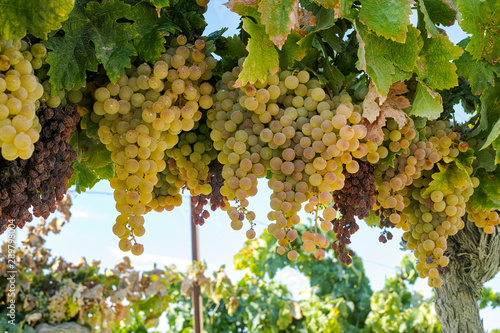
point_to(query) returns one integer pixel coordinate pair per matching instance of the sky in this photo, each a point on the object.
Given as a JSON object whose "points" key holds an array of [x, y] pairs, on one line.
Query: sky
{"points": [[167, 239]]}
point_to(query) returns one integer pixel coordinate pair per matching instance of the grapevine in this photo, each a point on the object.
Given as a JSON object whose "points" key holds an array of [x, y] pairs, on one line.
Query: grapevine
{"points": [[39, 183], [345, 121]]}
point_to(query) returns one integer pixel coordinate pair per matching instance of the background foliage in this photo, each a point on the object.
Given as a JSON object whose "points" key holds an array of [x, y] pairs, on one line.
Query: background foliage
{"points": [[121, 300]]}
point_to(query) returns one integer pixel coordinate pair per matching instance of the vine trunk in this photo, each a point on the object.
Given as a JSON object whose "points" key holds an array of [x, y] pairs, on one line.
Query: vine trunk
{"points": [[474, 260]]}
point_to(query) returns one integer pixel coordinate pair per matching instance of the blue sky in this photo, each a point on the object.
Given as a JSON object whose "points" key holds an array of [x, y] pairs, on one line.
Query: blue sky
{"points": [[167, 238]]}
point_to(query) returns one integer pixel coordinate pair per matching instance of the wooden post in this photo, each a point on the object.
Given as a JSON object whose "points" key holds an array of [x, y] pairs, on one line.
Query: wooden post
{"points": [[197, 298]]}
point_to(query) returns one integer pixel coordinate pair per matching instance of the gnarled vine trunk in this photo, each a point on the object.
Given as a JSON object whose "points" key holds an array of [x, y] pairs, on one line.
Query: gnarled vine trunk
{"points": [[474, 260]]}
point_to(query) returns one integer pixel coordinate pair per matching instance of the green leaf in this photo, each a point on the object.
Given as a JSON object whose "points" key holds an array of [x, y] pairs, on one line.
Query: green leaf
{"points": [[429, 24], [426, 103], [449, 178], [89, 126], [434, 66], [480, 73], [262, 56], [151, 31], [389, 159], [489, 111], [487, 194], [164, 3], [93, 161], [441, 11], [334, 77], [494, 133], [386, 61], [389, 18], [347, 11], [331, 38], [485, 160], [83, 177], [372, 219], [73, 54], [481, 19], [294, 49], [328, 3], [37, 17], [275, 15]]}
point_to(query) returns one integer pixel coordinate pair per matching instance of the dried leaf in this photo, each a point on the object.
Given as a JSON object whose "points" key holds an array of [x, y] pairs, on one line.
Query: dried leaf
{"points": [[30, 302], [376, 108], [296, 313], [94, 293], [33, 317], [232, 3], [121, 312], [372, 103], [300, 16], [232, 306]]}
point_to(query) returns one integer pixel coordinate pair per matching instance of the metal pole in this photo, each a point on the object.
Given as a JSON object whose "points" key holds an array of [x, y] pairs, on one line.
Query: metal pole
{"points": [[197, 298]]}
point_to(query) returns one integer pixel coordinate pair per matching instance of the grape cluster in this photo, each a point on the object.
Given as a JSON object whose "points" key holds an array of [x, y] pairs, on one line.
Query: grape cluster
{"points": [[290, 126], [141, 118], [355, 199], [406, 200], [192, 156], [188, 168], [483, 218], [73, 96], [40, 181], [214, 198], [20, 92]]}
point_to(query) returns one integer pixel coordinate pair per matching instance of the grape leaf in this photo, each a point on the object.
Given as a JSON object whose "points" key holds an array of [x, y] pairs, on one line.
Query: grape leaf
{"points": [[85, 178], [89, 126], [376, 108], [389, 19], [429, 24], [480, 73], [282, 16], [38, 17], [434, 66], [389, 159], [465, 159], [93, 161], [89, 151], [485, 160], [386, 61], [449, 178], [293, 50], [244, 7], [346, 10], [494, 133], [275, 15], [335, 78], [332, 4], [190, 23], [487, 194], [426, 103], [164, 3], [151, 31], [481, 19], [490, 113], [441, 11], [262, 56], [73, 54], [372, 219]]}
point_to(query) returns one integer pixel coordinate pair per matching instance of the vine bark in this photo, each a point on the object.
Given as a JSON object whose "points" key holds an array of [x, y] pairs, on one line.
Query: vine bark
{"points": [[474, 260]]}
